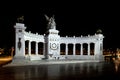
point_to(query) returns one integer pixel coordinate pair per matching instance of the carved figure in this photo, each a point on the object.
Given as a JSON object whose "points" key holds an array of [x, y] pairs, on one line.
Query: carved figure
{"points": [[51, 22], [20, 19]]}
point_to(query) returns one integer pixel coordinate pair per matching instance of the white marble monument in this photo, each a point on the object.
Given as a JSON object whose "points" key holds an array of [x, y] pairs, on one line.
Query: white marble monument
{"points": [[55, 47]]}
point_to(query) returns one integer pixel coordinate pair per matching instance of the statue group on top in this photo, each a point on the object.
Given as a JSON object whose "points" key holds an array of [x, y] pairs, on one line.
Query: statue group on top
{"points": [[51, 22], [20, 19]]}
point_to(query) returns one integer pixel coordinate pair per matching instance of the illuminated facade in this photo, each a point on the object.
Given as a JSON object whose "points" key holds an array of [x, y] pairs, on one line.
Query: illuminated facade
{"points": [[52, 46]]}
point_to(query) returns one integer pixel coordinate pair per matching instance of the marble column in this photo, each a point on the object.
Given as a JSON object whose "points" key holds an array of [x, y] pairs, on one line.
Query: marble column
{"points": [[81, 49], [66, 49], [74, 49], [29, 48], [36, 48], [88, 48]]}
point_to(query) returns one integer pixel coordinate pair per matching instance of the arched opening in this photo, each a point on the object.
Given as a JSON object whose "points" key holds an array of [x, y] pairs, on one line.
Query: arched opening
{"points": [[77, 51], [70, 49], [85, 49], [26, 47], [62, 49], [92, 46], [33, 47], [40, 48]]}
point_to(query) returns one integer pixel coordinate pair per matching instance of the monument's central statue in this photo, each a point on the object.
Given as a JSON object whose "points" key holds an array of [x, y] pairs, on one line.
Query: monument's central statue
{"points": [[20, 19], [51, 22]]}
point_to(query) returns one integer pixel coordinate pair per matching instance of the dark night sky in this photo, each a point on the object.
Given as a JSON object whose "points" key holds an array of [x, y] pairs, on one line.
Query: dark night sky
{"points": [[80, 19]]}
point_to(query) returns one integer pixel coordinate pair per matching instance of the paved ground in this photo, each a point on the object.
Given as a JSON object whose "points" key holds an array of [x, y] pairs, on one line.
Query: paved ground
{"points": [[75, 71], [22, 62]]}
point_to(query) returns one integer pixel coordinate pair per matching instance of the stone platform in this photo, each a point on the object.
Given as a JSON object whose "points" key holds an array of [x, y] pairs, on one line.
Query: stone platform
{"points": [[23, 62]]}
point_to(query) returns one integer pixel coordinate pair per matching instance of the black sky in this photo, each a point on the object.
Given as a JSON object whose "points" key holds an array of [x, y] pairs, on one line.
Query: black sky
{"points": [[71, 19]]}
